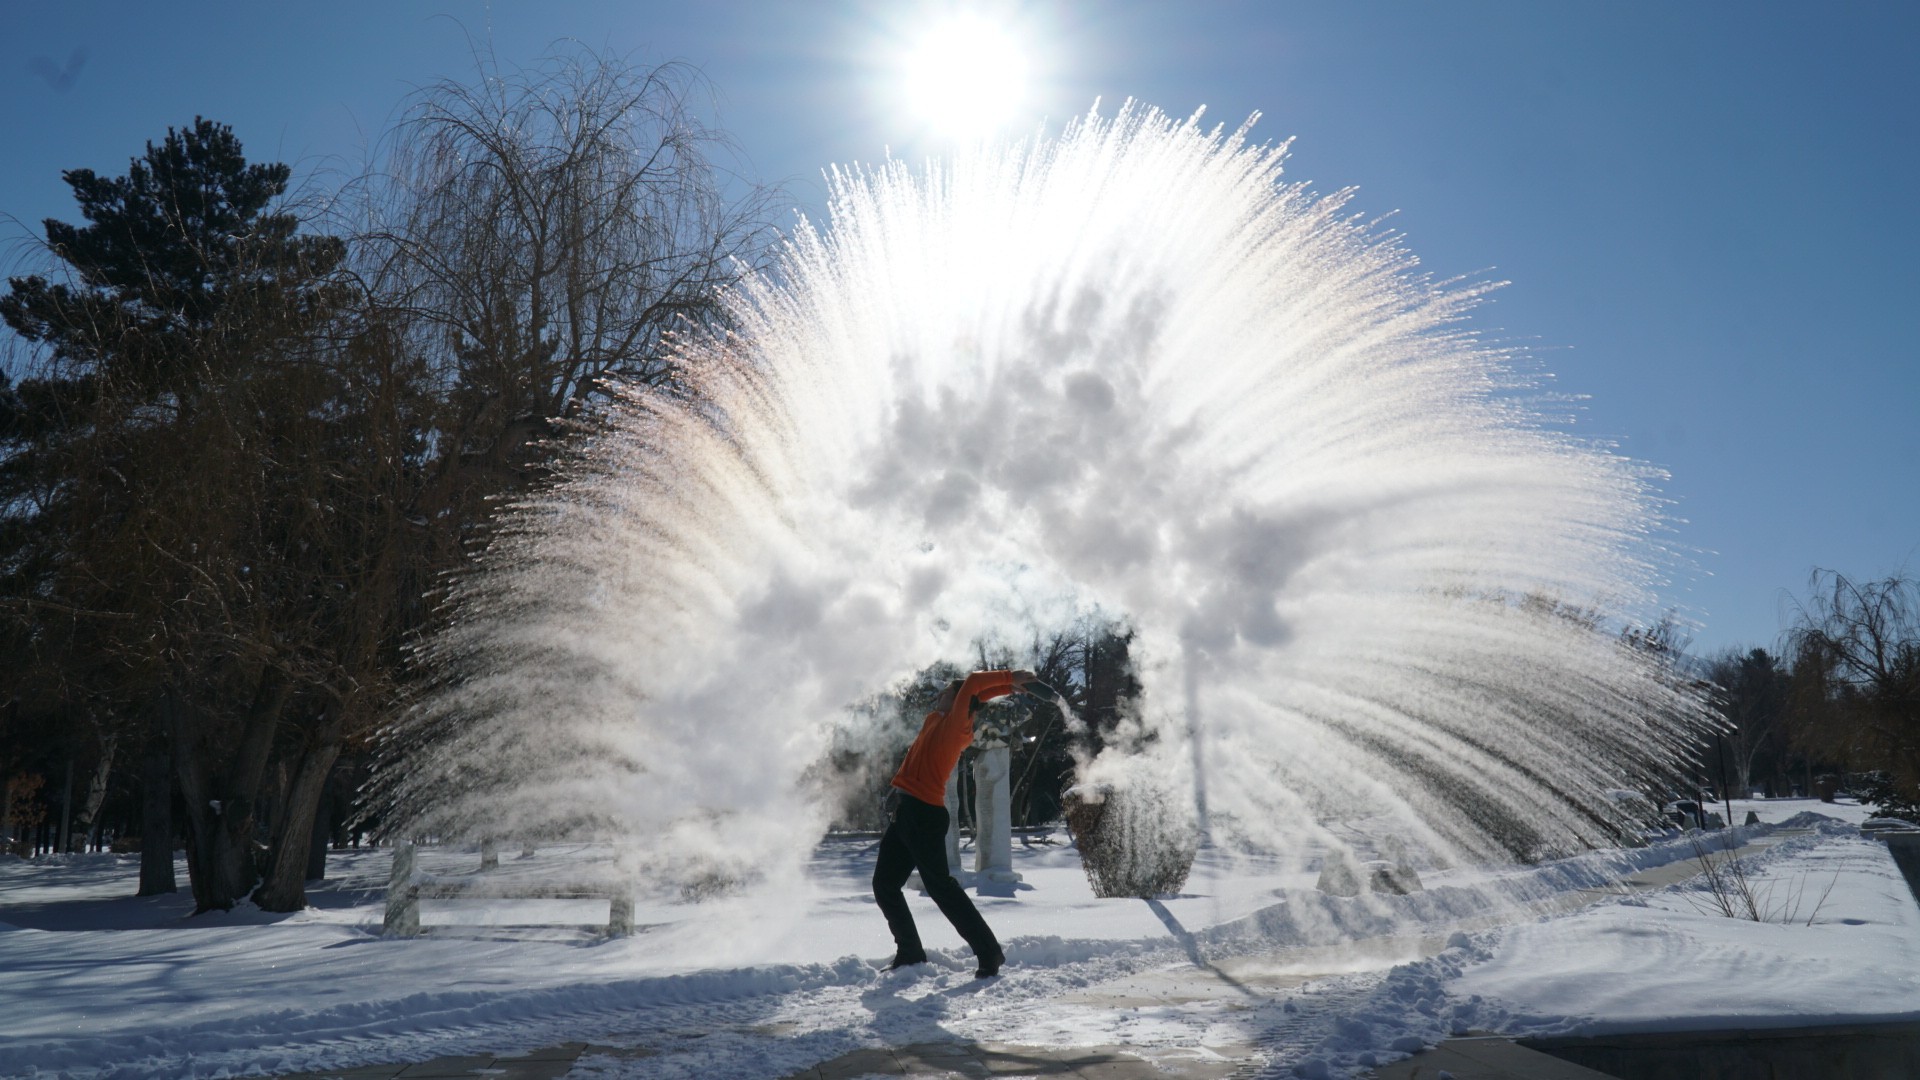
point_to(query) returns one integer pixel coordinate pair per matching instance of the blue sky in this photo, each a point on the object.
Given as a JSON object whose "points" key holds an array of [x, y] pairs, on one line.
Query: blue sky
{"points": [[1706, 210]]}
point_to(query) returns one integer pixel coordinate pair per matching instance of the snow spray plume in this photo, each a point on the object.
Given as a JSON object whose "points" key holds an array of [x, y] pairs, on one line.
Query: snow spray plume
{"points": [[1129, 369]]}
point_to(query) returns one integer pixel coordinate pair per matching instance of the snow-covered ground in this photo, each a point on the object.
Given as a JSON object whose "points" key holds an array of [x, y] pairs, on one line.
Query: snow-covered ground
{"points": [[1248, 963]]}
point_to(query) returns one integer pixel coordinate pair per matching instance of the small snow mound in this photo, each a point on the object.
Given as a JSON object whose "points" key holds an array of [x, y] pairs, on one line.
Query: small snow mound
{"points": [[1808, 819], [1050, 951]]}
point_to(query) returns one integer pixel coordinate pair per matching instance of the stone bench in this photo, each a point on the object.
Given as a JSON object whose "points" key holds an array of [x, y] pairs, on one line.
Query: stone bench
{"points": [[406, 887]]}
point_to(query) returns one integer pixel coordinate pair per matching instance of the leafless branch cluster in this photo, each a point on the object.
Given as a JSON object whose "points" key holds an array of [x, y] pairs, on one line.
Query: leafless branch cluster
{"points": [[1729, 888]]}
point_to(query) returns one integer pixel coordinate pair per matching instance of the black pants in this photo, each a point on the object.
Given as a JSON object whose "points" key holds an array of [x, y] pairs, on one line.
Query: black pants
{"points": [[916, 839]]}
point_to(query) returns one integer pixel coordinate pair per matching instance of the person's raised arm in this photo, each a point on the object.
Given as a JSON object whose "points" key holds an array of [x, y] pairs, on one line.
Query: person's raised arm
{"points": [[987, 685]]}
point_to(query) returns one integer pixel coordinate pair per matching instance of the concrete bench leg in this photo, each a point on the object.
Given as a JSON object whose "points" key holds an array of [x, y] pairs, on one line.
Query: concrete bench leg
{"points": [[620, 915]]}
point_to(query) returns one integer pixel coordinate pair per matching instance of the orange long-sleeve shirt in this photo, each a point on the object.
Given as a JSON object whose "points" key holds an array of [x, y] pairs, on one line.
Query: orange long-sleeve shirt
{"points": [[943, 736]]}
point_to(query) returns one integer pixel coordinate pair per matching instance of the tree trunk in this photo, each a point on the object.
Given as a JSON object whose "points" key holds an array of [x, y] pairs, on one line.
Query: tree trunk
{"points": [[220, 802], [97, 789], [323, 816], [156, 808], [284, 888], [66, 811], [1744, 764], [6, 813]]}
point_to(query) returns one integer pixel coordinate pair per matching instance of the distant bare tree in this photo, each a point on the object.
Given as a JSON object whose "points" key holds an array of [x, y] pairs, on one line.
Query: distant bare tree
{"points": [[1856, 674], [1750, 691]]}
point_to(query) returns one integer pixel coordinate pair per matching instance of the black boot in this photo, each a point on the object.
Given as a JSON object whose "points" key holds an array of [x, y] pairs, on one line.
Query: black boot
{"points": [[901, 960], [990, 963]]}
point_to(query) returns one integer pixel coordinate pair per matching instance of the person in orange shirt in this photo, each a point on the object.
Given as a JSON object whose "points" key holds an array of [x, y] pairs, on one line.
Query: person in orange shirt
{"points": [[917, 828]]}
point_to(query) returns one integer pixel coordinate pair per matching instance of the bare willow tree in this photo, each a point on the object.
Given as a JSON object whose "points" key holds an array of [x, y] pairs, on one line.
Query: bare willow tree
{"points": [[540, 230], [1855, 648], [536, 235]]}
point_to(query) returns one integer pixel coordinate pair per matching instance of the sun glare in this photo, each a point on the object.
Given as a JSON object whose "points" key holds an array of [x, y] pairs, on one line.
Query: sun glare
{"points": [[965, 76]]}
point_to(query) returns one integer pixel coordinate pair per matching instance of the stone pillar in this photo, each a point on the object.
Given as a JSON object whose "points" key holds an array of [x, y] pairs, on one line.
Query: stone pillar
{"points": [[993, 813]]}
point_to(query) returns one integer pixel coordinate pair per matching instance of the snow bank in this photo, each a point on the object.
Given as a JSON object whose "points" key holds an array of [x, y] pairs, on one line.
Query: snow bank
{"points": [[1842, 944]]}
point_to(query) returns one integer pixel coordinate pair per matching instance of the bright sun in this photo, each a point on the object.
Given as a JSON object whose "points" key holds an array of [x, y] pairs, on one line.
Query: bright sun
{"points": [[964, 76]]}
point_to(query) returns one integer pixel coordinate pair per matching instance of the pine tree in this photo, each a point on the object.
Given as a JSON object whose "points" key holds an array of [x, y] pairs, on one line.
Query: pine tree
{"points": [[176, 393]]}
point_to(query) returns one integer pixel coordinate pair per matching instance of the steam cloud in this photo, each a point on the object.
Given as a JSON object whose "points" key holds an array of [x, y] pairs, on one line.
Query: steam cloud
{"points": [[1132, 369]]}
